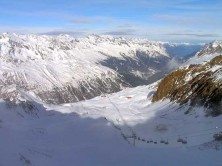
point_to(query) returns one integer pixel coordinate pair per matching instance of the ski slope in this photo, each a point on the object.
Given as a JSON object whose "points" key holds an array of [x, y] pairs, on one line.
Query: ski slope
{"points": [[132, 108], [98, 132]]}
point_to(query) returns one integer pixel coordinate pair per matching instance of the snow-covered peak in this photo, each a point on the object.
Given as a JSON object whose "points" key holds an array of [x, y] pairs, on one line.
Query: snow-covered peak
{"points": [[5, 34], [216, 43], [212, 48], [207, 53], [4, 38], [96, 43]]}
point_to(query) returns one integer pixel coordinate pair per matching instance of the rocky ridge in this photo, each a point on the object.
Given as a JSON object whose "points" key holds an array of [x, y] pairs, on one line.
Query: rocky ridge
{"points": [[196, 84]]}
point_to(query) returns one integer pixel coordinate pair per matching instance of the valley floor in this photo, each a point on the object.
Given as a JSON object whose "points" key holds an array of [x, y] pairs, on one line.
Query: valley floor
{"points": [[115, 129]]}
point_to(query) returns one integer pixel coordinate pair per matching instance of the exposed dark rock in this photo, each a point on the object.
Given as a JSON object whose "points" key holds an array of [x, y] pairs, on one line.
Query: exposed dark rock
{"points": [[86, 90], [140, 70], [201, 89]]}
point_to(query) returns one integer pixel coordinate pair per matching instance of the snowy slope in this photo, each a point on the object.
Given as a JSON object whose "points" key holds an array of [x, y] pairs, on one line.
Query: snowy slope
{"points": [[63, 69], [97, 132], [161, 120], [208, 52], [211, 48]]}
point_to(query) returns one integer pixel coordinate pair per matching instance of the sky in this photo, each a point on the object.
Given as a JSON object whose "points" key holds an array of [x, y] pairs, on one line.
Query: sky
{"points": [[166, 20]]}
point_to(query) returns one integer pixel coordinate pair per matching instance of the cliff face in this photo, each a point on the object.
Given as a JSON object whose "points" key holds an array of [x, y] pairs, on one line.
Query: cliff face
{"points": [[198, 84]]}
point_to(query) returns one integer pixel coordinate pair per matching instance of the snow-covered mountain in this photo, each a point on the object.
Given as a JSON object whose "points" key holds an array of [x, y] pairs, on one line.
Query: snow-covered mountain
{"points": [[63, 69], [212, 48], [208, 52], [171, 121]]}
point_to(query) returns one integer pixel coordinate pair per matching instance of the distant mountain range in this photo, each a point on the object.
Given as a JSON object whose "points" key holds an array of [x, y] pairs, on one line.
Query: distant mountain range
{"points": [[63, 69]]}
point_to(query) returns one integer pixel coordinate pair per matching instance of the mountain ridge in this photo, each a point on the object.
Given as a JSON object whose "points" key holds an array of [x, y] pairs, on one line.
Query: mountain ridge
{"points": [[197, 84], [81, 68]]}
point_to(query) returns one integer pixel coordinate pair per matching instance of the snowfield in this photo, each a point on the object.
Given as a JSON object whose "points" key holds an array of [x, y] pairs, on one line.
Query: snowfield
{"points": [[101, 131]]}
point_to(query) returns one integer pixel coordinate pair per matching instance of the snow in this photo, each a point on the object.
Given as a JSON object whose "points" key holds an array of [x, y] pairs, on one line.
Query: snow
{"points": [[209, 52], [94, 132], [216, 43], [42, 66], [215, 68], [44, 63], [188, 77], [90, 132], [135, 109], [218, 74], [201, 59]]}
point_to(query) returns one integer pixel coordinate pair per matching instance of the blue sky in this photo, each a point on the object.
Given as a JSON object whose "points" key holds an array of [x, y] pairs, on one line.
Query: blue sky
{"points": [[167, 20]]}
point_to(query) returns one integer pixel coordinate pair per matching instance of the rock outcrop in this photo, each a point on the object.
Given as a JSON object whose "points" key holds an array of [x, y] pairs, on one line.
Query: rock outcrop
{"points": [[199, 84]]}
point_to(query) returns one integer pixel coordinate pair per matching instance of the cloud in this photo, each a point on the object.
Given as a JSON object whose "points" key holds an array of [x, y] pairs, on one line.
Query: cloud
{"points": [[101, 20], [173, 64], [121, 32], [193, 35], [125, 26], [186, 5], [169, 17], [189, 19], [59, 32], [82, 20], [26, 29], [182, 19], [44, 31]]}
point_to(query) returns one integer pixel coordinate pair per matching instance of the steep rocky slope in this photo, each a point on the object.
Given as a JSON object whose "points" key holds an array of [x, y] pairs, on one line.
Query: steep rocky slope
{"points": [[196, 84]]}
